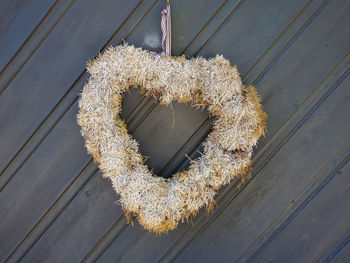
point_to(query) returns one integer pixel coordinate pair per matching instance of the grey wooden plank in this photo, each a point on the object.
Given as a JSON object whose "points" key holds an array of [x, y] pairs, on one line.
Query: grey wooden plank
{"points": [[323, 44], [274, 52], [224, 14], [56, 64], [39, 208], [153, 250], [303, 199], [146, 246], [52, 213], [33, 42], [18, 19], [315, 226], [246, 36], [36, 186], [280, 182], [92, 211]]}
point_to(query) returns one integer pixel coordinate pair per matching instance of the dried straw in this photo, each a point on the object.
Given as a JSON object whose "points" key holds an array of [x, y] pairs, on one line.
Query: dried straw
{"points": [[159, 203]]}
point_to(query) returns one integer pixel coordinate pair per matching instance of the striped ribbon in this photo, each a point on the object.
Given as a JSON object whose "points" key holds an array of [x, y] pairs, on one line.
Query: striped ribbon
{"points": [[166, 29]]}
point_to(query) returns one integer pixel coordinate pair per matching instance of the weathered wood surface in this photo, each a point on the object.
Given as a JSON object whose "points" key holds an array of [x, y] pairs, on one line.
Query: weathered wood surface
{"points": [[56, 207]]}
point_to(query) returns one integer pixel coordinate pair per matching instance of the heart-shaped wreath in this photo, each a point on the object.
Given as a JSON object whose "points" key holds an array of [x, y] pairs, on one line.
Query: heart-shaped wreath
{"points": [[161, 203]]}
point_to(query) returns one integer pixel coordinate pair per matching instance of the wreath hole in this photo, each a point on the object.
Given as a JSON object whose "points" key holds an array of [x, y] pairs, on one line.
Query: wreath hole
{"points": [[169, 136]]}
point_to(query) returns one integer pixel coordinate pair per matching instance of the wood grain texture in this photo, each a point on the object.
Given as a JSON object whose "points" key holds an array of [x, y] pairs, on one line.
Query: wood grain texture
{"points": [[55, 206]]}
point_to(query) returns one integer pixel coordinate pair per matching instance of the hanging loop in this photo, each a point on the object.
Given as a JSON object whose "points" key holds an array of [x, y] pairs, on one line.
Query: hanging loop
{"points": [[166, 29]]}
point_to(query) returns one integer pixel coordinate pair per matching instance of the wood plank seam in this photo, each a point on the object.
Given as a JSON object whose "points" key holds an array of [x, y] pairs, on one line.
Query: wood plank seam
{"points": [[127, 235], [294, 121], [278, 45], [335, 164], [335, 247], [107, 239], [221, 207], [346, 243], [301, 204], [302, 104], [292, 40], [148, 109], [111, 235], [217, 21], [340, 68], [35, 139], [32, 43], [141, 115]]}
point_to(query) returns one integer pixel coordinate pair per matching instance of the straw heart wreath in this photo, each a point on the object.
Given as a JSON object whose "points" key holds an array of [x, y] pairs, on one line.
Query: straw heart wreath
{"points": [[159, 203]]}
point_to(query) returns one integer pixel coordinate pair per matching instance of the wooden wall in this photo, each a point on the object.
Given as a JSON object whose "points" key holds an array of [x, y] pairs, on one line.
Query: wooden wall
{"points": [[56, 207]]}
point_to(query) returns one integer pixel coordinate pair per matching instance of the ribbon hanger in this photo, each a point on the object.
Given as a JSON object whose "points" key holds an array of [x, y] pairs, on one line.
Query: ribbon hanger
{"points": [[166, 29]]}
